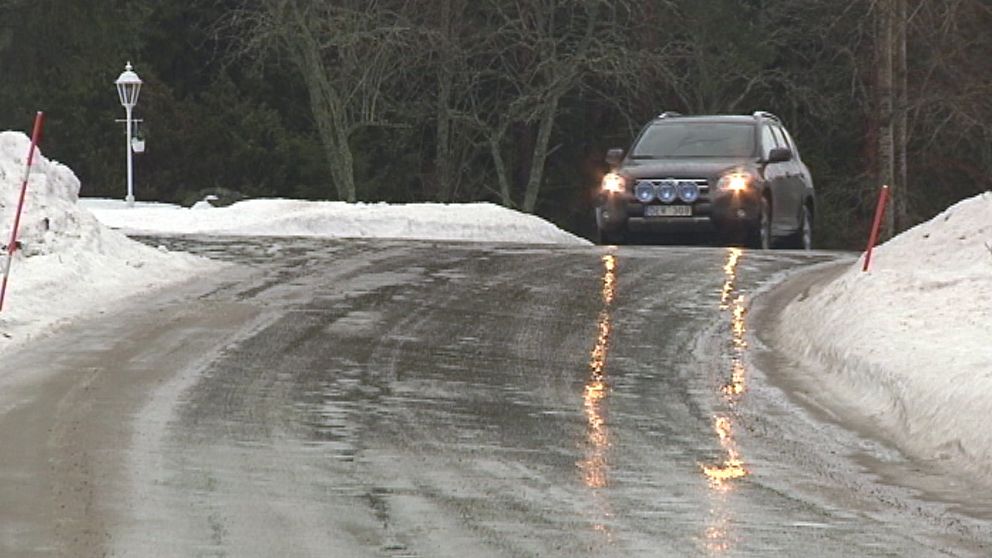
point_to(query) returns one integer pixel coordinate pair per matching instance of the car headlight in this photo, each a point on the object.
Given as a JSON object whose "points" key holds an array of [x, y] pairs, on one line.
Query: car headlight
{"points": [[736, 181], [614, 183], [644, 191]]}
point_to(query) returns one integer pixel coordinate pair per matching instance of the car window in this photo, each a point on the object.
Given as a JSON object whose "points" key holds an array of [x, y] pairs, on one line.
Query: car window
{"points": [[695, 139], [767, 142], [792, 144], [779, 138]]}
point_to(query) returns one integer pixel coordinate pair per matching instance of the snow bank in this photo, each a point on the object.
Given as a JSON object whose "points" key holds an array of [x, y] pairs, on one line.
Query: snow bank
{"points": [[910, 342], [477, 222], [69, 263]]}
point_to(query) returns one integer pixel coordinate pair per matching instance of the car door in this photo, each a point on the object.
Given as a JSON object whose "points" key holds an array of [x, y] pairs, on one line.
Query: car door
{"points": [[777, 181], [805, 180], [795, 187]]}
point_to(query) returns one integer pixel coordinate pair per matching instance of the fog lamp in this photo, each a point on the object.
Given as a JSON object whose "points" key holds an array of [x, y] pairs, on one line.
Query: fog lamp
{"points": [[667, 191], [644, 191], [688, 192]]}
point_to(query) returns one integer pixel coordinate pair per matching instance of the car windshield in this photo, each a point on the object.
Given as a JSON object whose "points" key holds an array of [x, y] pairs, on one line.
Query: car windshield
{"points": [[667, 140]]}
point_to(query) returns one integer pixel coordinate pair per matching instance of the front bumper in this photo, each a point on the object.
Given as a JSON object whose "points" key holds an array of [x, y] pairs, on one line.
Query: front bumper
{"points": [[721, 211]]}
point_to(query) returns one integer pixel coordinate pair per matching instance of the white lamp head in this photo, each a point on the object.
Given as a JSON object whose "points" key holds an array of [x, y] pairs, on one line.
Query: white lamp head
{"points": [[128, 86]]}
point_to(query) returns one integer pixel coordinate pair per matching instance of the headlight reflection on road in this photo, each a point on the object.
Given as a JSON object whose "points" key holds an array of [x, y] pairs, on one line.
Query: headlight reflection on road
{"points": [[730, 273], [737, 307], [609, 279], [719, 536], [594, 467], [733, 466], [738, 330]]}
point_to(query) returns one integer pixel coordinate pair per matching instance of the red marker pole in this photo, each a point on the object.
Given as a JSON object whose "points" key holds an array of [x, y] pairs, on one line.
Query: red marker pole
{"points": [[883, 197], [39, 120]]}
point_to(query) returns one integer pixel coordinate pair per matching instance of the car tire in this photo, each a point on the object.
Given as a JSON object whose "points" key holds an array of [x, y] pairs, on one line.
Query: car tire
{"points": [[761, 234], [804, 238]]}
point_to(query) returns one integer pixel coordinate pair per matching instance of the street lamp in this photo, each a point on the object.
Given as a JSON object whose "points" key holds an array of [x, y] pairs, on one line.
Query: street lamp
{"points": [[128, 87]]}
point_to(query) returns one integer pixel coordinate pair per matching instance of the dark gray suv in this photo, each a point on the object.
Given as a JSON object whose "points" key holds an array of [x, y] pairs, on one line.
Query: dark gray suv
{"points": [[739, 176]]}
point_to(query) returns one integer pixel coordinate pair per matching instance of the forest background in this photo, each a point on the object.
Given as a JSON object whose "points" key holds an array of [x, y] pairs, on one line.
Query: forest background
{"points": [[509, 101]]}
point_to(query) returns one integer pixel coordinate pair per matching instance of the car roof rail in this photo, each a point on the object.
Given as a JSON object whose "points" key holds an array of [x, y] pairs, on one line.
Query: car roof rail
{"points": [[669, 114], [766, 114]]}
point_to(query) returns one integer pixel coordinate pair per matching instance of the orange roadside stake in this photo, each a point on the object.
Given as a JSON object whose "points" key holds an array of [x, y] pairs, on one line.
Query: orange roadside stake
{"points": [[39, 120]]}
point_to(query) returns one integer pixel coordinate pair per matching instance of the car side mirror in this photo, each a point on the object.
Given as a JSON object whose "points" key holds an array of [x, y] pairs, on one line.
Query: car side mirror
{"points": [[780, 155], [614, 156]]}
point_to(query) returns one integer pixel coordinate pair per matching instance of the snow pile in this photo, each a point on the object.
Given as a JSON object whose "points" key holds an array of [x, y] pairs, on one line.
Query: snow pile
{"points": [[477, 222], [910, 342], [69, 263]]}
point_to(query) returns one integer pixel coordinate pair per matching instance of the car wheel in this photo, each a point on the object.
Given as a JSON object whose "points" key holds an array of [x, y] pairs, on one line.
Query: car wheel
{"points": [[761, 235], [803, 238], [806, 230]]}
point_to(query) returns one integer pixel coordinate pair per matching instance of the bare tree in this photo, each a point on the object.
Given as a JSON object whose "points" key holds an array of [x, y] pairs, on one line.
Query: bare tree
{"points": [[448, 62], [349, 55], [712, 62], [448, 37], [535, 53], [900, 125], [885, 48], [947, 94]]}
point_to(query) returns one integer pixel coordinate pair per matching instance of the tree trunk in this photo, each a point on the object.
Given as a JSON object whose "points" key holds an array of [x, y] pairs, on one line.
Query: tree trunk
{"points": [[343, 163], [886, 153], [334, 137], [540, 154], [502, 173], [443, 153], [901, 133], [327, 110]]}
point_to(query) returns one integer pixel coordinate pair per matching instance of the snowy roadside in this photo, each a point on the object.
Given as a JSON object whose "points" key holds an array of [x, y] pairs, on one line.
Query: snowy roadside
{"points": [[909, 343], [70, 265], [475, 222], [74, 264]]}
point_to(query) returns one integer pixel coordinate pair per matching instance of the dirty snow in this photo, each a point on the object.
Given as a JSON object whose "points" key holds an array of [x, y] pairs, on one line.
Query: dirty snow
{"points": [[69, 265], [74, 264], [475, 222], [909, 343]]}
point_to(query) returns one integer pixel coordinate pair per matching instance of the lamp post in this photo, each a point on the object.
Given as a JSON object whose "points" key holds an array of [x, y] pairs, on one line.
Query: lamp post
{"points": [[128, 87]]}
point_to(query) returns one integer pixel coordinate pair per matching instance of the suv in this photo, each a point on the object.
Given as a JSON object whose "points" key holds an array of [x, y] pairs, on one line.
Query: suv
{"points": [[734, 175]]}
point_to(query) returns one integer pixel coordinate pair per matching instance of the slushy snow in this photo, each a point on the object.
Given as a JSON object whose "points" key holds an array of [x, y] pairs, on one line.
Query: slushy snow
{"points": [[69, 265], [475, 222], [909, 343], [72, 264]]}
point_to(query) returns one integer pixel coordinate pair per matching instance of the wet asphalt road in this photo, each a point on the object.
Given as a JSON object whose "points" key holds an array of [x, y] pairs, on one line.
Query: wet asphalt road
{"points": [[420, 399]]}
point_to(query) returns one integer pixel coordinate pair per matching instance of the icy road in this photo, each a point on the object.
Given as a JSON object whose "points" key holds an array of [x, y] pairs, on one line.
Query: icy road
{"points": [[376, 398]]}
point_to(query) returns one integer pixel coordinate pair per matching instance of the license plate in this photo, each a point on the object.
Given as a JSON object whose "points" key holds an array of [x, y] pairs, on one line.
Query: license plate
{"points": [[668, 211]]}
